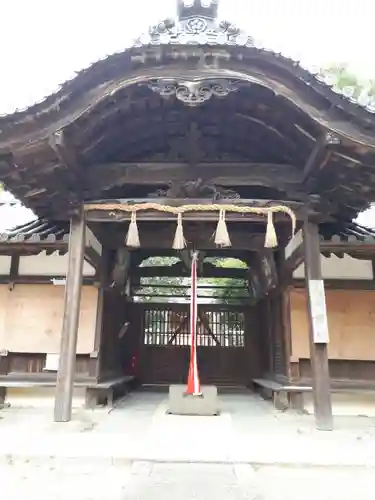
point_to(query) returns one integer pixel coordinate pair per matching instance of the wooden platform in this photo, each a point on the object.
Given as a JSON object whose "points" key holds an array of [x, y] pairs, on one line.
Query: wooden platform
{"points": [[290, 395], [103, 392]]}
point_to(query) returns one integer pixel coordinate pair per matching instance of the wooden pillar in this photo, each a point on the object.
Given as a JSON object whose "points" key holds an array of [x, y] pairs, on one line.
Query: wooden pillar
{"points": [[68, 347], [286, 328], [318, 328], [94, 370], [269, 324], [295, 399]]}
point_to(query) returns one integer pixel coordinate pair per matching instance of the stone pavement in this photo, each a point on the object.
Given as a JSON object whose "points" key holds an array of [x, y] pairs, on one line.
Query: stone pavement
{"points": [[248, 431], [137, 452], [171, 481]]}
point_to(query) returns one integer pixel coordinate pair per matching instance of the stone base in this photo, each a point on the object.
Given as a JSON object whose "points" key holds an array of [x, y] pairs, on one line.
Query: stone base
{"points": [[181, 404]]}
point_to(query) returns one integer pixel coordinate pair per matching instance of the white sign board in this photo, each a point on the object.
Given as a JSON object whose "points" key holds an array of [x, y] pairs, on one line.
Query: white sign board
{"points": [[52, 362], [318, 311]]}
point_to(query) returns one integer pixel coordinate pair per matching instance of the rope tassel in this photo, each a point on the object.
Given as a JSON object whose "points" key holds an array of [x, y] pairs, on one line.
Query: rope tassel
{"points": [[271, 237], [132, 238], [222, 238], [179, 242]]}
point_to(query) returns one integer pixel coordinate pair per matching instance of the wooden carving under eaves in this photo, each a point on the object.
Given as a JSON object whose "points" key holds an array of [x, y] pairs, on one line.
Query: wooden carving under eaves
{"points": [[268, 270], [263, 275], [195, 189], [121, 269]]}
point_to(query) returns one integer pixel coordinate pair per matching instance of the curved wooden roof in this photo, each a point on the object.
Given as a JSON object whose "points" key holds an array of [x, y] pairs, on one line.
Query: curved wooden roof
{"points": [[93, 136]]}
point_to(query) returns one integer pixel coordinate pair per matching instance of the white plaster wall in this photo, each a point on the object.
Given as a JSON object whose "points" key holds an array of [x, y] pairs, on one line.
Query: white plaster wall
{"points": [[345, 268], [49, 265], [5, 264]]}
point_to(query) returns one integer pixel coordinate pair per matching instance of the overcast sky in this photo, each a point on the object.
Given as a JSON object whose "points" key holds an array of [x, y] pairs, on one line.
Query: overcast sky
{"points": [[43, 42]]}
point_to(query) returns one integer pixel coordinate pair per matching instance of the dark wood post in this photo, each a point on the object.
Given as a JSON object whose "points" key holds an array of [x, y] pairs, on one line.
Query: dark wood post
{"points": [[286, 328], [103, 284], [318, 328], [91, 399], [69, 335]]}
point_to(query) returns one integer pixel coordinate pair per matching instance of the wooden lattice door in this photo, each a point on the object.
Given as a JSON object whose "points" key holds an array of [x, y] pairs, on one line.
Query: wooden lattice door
{"points": [[221, 342]]}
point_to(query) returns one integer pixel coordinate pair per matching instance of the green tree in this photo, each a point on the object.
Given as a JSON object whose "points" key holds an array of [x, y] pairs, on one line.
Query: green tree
{"points": [[151, 286], [231, 289], [224, 289], [344, 79]]}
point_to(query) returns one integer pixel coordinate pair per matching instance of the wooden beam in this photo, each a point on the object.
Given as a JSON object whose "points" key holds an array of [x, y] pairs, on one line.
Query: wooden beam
{"points": [[92, 258], [67, 156], [29, 247], [113, 209], [93, 249], [176, 202], [353, 244], [91, 241], [294, 253], [37, 279], [160, 236], [318, 331], [318, 154], [14, 270], [339, 284], [177, 270], [279, 176], [112, 216], [138, 256], [69, 335]]}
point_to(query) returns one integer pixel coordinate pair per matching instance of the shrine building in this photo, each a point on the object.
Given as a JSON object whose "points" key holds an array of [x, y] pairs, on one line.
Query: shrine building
{"points": [[198, 141]]}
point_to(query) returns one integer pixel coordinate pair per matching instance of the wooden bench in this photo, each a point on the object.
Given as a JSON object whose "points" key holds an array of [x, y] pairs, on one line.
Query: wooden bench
{"points": [[106, 392], [95, 392], [291, 395], [280, 393]]}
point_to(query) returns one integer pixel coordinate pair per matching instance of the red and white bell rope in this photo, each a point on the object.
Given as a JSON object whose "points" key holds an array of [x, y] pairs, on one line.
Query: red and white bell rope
{"points": [[193, 385]]}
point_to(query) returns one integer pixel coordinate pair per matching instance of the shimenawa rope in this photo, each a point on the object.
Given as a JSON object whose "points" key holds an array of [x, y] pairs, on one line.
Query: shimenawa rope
{"points": [[221, 237]]}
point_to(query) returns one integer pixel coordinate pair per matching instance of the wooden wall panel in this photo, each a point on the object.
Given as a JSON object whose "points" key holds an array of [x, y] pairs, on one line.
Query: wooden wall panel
{"points": [[351, 320], [34, 363], [31, 320], [343, 369]]}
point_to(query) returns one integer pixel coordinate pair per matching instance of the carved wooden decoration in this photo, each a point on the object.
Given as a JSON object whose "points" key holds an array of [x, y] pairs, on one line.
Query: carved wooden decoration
{"points": [[263, 275], [193, 93], [195, 189], [121, 268], [269, 271]]}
